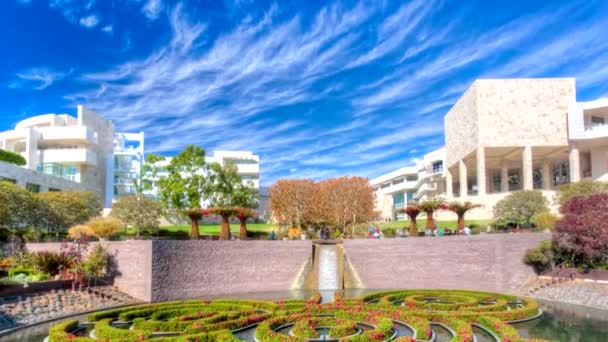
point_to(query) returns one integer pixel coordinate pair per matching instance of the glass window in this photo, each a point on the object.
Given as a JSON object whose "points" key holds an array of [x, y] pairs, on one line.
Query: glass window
{"points": [[597, 120], [32, 187], [438, 166], [412, 178]]}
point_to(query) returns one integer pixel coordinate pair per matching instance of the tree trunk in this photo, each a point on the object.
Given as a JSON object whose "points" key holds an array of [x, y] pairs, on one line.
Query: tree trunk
{"points": [[460, 222], [413, 227], [430, 222], [194, 229], [243, 231], [225, 230]]}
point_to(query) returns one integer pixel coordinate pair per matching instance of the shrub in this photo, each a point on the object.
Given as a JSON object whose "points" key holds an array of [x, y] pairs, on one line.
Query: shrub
{"points": [[545, 220], [540, 258], [520, 207], [12, 157], [68, 208], [96, 264], [582, 235], [19, 208], [104, 227], [79, 231], [582, 188], [138, 211], [50, 262]]}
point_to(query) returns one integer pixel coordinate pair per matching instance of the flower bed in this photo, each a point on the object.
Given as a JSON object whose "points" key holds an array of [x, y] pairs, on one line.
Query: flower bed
{"points": [[300, 320]]}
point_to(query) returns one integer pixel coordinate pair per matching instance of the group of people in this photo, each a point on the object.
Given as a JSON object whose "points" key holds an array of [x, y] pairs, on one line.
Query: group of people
{"points": [[374, 233], [324, 233], [442, 232]]}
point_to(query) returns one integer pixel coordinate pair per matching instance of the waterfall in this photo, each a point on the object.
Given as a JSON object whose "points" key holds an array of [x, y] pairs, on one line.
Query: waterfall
{"points": [[328, 272]]}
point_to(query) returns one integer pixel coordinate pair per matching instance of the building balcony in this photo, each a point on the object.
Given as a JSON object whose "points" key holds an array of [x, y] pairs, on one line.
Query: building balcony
{"points": [[69, 156], [78, 134], [249, 169]]}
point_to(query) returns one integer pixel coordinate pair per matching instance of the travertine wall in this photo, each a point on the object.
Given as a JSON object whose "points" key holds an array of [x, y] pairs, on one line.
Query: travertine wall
{"points": [[172, 269], [489, 262], [520, 112], [133, 259], [509, 112], [195, 269], [461, 127]]}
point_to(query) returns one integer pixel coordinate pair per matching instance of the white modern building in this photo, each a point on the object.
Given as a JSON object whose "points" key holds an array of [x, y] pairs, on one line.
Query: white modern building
{"points": [[409, 184], [505, 135], [64, 152]]}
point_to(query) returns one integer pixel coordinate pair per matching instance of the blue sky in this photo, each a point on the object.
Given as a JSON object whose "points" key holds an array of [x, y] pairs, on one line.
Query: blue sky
{"points": [[316, 88]]}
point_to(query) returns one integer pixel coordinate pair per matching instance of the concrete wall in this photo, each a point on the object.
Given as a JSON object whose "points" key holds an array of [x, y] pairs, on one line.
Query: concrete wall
{"points": [[133, 258], [168, 270], [599, 163], [461, 127], [520, 112], [489, 262], [22, 176], [194, 269]]}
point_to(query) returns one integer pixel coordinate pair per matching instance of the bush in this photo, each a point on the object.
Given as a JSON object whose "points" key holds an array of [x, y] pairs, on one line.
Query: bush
{"points": [[19, 208], [68, 208], [12, 157], [51, 263], [520, 207], [104, 227], [540, 258], [581, 237], [138, 211], [545, 220], [583, 188], [96, 264]]}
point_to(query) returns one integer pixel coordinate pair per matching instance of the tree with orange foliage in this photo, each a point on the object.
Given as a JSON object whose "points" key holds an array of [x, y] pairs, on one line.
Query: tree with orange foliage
{"points": [[291, 201]]}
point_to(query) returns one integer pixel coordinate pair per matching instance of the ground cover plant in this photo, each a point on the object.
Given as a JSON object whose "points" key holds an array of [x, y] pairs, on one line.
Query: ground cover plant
{"points": [[373, 317]]}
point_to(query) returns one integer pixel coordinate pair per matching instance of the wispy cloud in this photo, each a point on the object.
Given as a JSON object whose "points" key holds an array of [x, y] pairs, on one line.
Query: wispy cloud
{"points": [[89, 21], [152, 9], [38, 78], [109, 29], [352, 89]]}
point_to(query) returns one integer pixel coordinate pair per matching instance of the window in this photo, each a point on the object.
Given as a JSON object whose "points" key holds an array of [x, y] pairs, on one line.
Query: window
{"points": [[384, 186], [438, 166], [412, 178], [32, 187], [398, 181], [597, 121]]}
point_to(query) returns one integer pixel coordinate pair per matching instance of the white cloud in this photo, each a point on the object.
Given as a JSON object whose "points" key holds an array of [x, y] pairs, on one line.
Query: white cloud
{"points": [[109, 29], [248, 83], [38, 78], [152, 9], [89, 21]]}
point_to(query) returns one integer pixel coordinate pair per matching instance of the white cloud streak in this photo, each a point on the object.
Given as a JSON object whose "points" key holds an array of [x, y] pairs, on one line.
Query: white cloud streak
{"points": [[229, 90]]}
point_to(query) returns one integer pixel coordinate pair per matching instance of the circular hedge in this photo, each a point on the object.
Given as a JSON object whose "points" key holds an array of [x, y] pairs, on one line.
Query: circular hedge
{"points": [[382, 316]]}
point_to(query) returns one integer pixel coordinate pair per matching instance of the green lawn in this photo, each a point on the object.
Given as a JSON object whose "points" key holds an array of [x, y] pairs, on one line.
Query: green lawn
{"points": [[214, 229], [451, 224]]}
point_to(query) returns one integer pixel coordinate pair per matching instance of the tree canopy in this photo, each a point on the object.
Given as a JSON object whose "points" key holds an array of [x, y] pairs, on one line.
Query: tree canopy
{"points": [[68, 208], [520, 207], [138, 211], [336, 201], [583, 188]]}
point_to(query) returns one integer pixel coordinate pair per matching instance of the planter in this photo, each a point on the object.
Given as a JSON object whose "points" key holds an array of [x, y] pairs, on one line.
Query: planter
{"points": [[39, 286]]}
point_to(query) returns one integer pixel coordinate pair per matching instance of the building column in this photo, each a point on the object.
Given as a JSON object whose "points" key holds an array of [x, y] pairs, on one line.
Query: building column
{"points": [[504, 177], [448, 184], [481, 171], [546, 171], [575, 167], [528, 172], [462, 170]]}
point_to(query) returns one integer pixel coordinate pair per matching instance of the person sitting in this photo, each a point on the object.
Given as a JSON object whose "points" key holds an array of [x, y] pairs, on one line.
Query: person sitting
{"points": [[467, 230], [440, 232]]}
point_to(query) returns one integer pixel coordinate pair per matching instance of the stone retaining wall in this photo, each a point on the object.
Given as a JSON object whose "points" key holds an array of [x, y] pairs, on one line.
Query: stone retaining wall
{"points": [[490, 262], [163, 270], [194, 269]]}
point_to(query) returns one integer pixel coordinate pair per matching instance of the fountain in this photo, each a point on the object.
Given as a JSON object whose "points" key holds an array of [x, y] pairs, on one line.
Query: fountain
{"points": [[328, 281]]}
